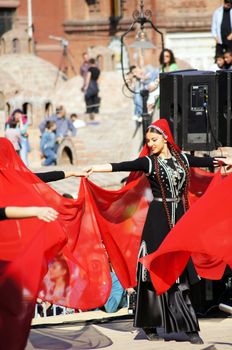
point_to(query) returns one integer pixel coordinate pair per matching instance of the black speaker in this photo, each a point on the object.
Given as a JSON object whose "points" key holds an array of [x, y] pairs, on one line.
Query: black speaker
{"points": [[188, 102], [224, 100]]}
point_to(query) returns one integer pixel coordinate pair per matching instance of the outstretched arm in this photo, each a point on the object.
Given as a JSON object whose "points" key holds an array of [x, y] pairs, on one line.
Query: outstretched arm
{"points": [[139, 164], [59, 175], [103, 168], [43, 213]]}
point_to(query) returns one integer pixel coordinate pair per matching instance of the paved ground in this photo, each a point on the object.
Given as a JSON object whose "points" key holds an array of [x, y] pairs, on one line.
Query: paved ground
{"points": [[98, 330]]}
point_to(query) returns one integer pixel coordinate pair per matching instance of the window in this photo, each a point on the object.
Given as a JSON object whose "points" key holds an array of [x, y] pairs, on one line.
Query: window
{"points": [[2, 101], [28, 110], [15, 46], [2, 46], [6, 19]]}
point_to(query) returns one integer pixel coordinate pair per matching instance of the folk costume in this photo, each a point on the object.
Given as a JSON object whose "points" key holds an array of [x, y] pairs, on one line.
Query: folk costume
{"points": [[168, 179]]}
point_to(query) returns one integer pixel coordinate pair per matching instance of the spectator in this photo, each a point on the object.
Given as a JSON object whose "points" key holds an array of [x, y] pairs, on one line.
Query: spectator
{"points": [[219, 63], [12, 133], [228, 59], [167, 61], [84, 69], [63, 125], [222, 27], [77, 122], [118, 296], [91, 89], [133, 78], [167, 64], [22, 125], [48, 144]]}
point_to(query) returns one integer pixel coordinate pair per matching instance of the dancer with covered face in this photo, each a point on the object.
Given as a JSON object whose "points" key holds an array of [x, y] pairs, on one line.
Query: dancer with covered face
{"points": [[167, 170]]}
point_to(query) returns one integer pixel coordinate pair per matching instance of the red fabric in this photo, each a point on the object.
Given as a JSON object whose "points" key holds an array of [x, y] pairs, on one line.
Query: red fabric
{"points": [[204, 233], [27, 246]]}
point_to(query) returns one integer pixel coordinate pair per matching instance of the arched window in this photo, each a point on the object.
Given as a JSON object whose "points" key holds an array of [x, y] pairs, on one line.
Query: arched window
{"points": [[100, 62], [30, 45], [48, 109], [15, 46], [2, 46], [2, 101], [28, 110], [8, 109]]}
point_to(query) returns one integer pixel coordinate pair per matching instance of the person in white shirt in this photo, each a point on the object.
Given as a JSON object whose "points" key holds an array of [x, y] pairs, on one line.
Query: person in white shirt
{"points": [[222, 27]]}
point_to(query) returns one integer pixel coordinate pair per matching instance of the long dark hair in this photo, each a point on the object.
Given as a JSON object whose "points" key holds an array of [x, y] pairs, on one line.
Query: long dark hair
{"points": [[172, 57]]}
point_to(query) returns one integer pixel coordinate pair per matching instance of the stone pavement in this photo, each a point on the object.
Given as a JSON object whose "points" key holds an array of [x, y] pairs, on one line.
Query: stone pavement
{"points": [[98, 330]]}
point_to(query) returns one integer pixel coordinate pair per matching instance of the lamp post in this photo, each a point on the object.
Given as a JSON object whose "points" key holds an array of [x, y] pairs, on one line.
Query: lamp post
{"points": [[142, 18]]}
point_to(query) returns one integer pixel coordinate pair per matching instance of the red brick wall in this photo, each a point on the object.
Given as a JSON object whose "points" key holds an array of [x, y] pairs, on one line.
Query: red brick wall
{"points": [[87, 26]]}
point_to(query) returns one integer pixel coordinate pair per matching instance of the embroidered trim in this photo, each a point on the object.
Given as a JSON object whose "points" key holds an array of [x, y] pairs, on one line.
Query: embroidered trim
{"points": [[142, 253], [158, 129], [150, 165]]}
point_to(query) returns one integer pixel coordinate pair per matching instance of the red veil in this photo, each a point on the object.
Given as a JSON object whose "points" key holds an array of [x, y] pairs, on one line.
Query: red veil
{"points": [[28, 246]]}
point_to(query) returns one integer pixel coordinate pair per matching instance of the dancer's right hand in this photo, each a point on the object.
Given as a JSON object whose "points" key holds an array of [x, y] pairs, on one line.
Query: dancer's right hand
{"points": [[46, 214]]}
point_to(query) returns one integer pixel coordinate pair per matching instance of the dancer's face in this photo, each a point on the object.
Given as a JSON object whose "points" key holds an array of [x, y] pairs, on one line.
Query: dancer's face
{"points": [[155, 142]]}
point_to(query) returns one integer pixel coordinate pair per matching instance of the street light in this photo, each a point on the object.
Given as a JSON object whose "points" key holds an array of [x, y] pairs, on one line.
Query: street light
{"points": [[141, 42]]}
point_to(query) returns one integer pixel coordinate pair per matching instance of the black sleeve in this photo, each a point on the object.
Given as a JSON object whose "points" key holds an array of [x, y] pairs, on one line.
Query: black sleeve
{"points": [[199, 162], [139, 164], [51, 176], [3, 214]]}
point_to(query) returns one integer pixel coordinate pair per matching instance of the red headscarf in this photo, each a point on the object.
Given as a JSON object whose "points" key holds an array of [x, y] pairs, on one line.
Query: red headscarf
{"points": [[162, 126]]}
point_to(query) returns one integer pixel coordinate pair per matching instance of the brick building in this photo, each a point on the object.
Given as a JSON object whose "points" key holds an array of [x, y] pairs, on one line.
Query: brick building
{"points": [[96, 25]]}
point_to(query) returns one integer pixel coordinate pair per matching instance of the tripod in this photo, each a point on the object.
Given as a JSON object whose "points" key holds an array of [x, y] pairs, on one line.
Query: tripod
{"points": [[65, 60]]}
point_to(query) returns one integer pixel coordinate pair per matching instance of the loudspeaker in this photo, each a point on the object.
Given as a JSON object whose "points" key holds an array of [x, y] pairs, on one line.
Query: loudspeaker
{"points": [[206, 295], [188, 102], [224, 100]]}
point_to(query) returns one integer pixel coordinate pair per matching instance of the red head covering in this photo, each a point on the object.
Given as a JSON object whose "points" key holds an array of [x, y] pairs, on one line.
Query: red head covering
{"points": [[161, 125]]}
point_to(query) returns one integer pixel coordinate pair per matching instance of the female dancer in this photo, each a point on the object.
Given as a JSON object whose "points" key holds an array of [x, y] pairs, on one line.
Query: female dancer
{"points": [[167, 170]]}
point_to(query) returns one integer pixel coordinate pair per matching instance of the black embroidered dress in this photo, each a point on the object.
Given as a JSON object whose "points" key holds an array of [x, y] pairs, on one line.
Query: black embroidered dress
{"points": [[172, 310]]}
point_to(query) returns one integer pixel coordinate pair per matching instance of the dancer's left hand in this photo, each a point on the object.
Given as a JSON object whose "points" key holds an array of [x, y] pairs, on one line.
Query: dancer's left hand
{"points": [[225, 161]]}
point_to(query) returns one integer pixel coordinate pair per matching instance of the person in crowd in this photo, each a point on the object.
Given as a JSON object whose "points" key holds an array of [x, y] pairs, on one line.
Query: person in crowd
{"points": [[13, 134], [84, 69], [77, 122], [91, 89], [228, 59], [167, 61], [22, 126], [221, 28], [48, 144], [56, 285], [167, 64], [118, 295], [63, 124], [219, 63], [168, 171], [133, 79]]}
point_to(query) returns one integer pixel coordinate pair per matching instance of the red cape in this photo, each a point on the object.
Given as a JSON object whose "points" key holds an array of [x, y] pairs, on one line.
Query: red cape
{"points": [[204, 232]]}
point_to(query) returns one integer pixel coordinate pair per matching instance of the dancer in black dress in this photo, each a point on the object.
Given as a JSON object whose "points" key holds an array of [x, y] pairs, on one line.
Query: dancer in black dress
{"points": [[167, 170]]}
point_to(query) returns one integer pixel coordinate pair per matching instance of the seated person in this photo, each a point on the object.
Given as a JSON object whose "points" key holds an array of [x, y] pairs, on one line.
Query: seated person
{"points": [[118, 296]]}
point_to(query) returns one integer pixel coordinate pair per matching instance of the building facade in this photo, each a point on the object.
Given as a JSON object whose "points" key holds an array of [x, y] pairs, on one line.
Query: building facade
{"points": [[95, 26]]}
